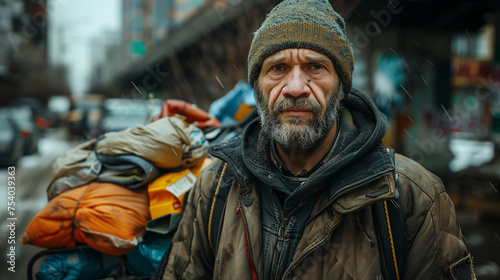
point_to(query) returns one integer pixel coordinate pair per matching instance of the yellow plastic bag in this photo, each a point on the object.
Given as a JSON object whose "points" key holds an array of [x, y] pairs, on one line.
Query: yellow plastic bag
{"points": [[166, 193]]}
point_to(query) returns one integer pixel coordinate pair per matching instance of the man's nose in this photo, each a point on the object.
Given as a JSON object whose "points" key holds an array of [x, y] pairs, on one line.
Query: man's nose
{"points": [[296, 83]]}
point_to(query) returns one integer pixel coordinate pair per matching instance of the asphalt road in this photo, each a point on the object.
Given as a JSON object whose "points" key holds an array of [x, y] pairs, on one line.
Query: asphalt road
{"points": [[32, 175]]}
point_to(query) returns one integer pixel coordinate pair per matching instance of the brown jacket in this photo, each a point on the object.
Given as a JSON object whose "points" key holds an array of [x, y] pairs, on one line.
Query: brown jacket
{"points": [[333, 246], [338, 241]]}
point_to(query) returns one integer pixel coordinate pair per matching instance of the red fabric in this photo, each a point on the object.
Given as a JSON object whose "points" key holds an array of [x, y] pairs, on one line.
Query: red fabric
{"points": [[193, 115]]}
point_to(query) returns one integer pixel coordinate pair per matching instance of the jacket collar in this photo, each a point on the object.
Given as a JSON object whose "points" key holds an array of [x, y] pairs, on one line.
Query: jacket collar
{"points": [[380, 188]]}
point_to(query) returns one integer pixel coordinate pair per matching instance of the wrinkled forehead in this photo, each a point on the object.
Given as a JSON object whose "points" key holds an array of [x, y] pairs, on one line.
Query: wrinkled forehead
{"points": [[298, 54]]}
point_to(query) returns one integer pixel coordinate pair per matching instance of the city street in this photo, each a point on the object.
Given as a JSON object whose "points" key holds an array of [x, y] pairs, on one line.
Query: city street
{"points": [[425, 80], [32, 175]]}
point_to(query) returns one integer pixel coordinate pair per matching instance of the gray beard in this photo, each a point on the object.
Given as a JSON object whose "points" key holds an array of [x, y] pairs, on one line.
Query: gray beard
{"points": [[298, 134]]}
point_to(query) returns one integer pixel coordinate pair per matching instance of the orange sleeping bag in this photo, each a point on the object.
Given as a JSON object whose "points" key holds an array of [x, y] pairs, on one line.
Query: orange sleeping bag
{"points": [[107, 217]]}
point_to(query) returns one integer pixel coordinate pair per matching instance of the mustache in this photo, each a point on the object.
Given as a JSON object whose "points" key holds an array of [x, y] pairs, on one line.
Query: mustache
{"points": [[296, 102]]}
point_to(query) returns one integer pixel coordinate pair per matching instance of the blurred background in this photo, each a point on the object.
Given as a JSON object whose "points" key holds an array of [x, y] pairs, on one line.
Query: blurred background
{"points": [[71, 70]]}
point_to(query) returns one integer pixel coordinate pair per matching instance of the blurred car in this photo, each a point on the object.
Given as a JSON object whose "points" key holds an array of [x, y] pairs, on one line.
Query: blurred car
{"points": [[42, 118], [121, 113], [58, 107], [84, 116], [11, 142], [24, 119], [83, 120]]}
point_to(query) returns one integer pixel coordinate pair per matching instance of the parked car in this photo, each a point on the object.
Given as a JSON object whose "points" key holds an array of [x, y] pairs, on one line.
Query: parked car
{"points": [[24, 118], [11, 142], [122, 113], [42, 118], [84, 116]]}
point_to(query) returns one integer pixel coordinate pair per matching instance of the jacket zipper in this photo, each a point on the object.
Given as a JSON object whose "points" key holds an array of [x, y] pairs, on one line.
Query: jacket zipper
{"points": [[281, 236], [279, 247], [247, 240]]}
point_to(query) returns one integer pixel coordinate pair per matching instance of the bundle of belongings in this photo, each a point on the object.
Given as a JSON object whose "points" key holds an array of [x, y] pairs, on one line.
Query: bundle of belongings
{"points": [[115, 201], [98, 193]]}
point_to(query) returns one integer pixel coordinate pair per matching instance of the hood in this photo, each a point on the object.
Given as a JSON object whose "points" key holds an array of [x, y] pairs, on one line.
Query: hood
{"points": [[358, 153]]}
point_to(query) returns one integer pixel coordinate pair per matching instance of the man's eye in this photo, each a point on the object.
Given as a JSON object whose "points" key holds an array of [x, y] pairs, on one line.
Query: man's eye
{"points": [[278, 68], [316, 67]]}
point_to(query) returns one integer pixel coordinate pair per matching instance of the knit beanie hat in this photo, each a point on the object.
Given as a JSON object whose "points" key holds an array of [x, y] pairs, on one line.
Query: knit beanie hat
{"points": [[310, 24]]}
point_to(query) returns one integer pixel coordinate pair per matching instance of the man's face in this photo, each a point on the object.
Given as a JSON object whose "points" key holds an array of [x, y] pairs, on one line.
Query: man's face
{"points": [[298, 96]]}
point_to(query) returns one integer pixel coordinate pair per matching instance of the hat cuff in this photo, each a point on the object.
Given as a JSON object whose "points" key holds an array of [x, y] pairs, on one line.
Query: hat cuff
{"points": [[306, 35]]}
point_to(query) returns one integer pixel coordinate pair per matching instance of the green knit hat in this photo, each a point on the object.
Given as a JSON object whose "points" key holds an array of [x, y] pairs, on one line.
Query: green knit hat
{"points": [[309, 24]]}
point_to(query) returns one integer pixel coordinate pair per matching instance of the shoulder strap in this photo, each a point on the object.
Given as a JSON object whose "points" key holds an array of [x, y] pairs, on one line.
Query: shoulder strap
{"points": [[217, 203], [390, 229]]}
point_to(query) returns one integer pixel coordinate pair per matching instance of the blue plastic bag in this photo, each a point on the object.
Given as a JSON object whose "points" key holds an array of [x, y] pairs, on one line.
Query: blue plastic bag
{"points": [[83, 264], [146, 256], [226, 107]]}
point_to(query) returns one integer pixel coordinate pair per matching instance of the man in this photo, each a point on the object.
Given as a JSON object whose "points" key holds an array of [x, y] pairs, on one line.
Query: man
{"points": [[303, 178]]}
